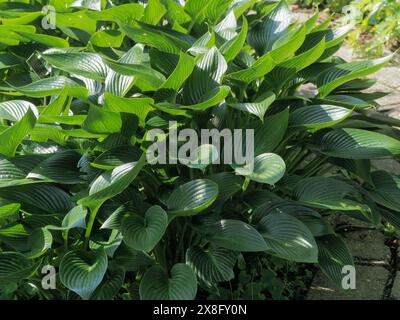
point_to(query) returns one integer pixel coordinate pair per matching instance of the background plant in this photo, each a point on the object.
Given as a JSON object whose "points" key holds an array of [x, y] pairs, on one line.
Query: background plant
{"points": [[378, 26], [376, 22], [76, 191], [333, 6]]}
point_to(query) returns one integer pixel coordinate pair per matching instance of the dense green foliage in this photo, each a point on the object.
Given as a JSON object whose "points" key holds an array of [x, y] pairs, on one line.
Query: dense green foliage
{"points": [[377, 25], [77, 193], [376, 22], [332, 5]]}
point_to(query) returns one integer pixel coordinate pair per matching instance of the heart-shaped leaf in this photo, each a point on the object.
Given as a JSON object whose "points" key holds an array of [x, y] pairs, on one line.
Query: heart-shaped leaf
{"points": [[143, 233], [192, 197], [210, 99], [75, 218], [107, 38], [151, 77], [288, 238], [139, 107], [121, 13], [8, 211], [267, 168], [157, 285], [39, 242], [212, 265], [236, 235], [203, 44], [201, 10], [287, 70], [102, 121], [82, 271], [333, 255], [258, 69], [54, 85]]}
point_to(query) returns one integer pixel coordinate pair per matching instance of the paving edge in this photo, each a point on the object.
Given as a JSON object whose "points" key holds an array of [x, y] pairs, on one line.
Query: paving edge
{"points": [[393, 267]]}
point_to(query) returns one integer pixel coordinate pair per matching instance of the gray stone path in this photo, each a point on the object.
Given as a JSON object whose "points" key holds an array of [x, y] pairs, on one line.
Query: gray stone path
{"points": [[376, 260], [388, 81], [370, 285]]}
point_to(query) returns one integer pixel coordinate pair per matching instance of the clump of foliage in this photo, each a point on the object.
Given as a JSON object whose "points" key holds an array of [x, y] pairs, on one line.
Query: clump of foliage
{"points": [[77, 193], [332, 5], [377, 26], [376, 22]]}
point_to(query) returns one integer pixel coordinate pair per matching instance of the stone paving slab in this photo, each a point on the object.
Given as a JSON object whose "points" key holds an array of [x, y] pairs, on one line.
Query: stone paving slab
{"points": [[394, 113], [392, 99], [388, 80], [345, 52], [378, 86], [390, 165], [368, 245], [370, 285], [389, 76]]}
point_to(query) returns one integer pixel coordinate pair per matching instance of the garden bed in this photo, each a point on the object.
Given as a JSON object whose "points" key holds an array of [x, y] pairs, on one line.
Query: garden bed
{"points": [[120, 171]]}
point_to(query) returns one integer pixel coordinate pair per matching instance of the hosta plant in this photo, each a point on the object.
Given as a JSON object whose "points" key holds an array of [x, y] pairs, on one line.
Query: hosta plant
{"points": [[79, 102]]}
